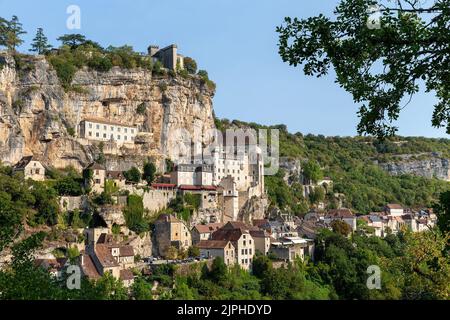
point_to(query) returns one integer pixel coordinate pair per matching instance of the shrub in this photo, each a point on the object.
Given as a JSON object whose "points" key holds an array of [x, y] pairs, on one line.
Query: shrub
{"points": [[141, 108], [190, 65]]}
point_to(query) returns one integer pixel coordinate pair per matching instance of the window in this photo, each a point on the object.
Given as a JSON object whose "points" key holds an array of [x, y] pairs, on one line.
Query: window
{"points": [[90, 133], [98, 126], [126, 130], [118, 129], [112, 128], [104, 135], [245, 243], [249, 251], [125, 138], [90, 125], [97, 134], [118, 137], [242, 252], [97, 181], [104, 127]]}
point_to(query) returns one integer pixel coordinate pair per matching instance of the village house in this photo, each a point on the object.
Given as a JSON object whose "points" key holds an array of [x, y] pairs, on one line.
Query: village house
{"points": [[204, 231], [97, 129], [97, 181], [290, 248], [106, 255], [117, 178], [171, 232], [31, 168], [218, 248], [394, 210], [239, 235], [342, 214], [262, 241]]}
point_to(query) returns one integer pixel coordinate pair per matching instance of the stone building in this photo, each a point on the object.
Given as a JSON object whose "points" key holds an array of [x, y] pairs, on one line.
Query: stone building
{"points": [[97, 182], [291, 248], [31, 168], [342, 214], [170, 231], [192, 175], [97, 129], [168, 56], [239, 235], [204, 231], [218, 248]]}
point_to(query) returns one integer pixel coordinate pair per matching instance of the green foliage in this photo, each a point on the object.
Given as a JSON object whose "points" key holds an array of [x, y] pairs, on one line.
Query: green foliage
{"points": [[312, 171], [149, 172], [443, 212], [340, 227], [70, 184], [193, 252], [134, 214], [142, 108], [380, 67], [133, 175], [190, 65], [40, 43], [141, 289], [11, 33], [205, 78]]}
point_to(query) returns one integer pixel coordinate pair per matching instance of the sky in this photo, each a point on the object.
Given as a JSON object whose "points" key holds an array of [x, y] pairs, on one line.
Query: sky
{"points": [[236, 42]]}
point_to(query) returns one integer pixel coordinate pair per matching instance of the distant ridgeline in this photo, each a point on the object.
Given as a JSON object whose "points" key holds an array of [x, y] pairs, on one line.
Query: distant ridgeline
{"points": [[366, 173]]}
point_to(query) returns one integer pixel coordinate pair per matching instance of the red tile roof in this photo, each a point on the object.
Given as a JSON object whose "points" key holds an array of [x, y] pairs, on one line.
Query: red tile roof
{"points": [[126, 275], [208, 228], [212, 244], [394, 206], [126, 251], [88, 268], [196, 188], [227, 235], [104, 255], [163, 185], [340, 213]]}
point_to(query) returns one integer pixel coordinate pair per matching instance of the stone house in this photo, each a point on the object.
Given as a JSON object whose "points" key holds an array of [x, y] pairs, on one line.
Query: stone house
{"points": [[239, 235], [394, 210], [291, 248], [31, 168], [342, 214], [218, 248], [117, 178], [170, 231], [204, 231], [97, 183], [262, 241]]}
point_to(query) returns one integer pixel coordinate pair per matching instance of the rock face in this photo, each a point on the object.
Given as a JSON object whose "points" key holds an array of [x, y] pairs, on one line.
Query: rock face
{"points": [[37, 117], [429, 168]]}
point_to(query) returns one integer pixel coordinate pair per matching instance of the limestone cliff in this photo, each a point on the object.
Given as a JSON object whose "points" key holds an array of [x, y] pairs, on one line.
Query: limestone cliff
{"points": [[426, 166], [37, 117]]}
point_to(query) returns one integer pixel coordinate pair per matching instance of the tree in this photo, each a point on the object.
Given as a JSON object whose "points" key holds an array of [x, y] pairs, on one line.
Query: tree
{"points": [[312, 171], [341, 227], [134, 214], [72, 40], [133, 175], [190, 65], [3, 32], [13, 32], [261, 265], [443, 212], [40, 42], [193, 252], [218, 271], [141, 289], [149, 172], [383, 64]]}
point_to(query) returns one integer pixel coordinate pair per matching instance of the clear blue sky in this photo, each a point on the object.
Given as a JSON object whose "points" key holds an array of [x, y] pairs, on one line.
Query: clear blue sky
{"points": [[237, 43]]}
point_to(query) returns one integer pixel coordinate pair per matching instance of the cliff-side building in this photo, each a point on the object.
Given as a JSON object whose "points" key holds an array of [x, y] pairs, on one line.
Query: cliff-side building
{"points": [[168, 56], [31, 168], [96, 129]]}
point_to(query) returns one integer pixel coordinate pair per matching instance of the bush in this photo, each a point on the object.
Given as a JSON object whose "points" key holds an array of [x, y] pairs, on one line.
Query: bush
{"points": [[190, 65], [141, 109], [133, 175]]}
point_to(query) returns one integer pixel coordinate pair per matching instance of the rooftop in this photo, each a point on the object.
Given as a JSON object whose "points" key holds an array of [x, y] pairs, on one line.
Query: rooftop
{"points": [[212, 244]]}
